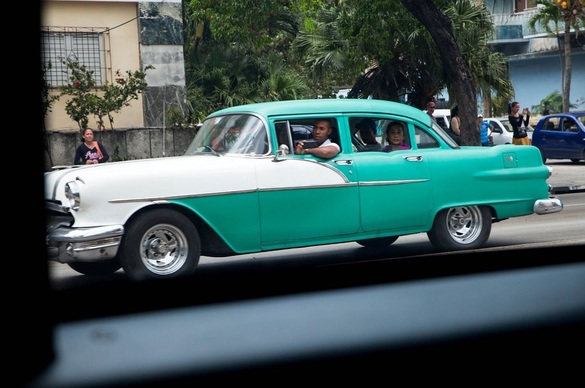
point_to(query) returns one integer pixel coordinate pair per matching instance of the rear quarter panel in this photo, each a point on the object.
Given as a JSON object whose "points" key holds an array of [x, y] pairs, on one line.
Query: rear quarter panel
{"points": [[507, 178]]}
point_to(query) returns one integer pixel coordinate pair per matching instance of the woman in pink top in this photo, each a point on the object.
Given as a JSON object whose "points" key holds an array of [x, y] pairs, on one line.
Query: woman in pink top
{"points": [[395, 137]]}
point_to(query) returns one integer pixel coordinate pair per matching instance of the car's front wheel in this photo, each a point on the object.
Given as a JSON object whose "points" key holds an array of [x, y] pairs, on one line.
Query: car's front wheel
{"points": [[161, 243], [456, 228]]}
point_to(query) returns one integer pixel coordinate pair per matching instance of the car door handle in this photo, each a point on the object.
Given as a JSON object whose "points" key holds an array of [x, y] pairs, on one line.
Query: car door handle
{"points": [[415, 158], [346, 162]]}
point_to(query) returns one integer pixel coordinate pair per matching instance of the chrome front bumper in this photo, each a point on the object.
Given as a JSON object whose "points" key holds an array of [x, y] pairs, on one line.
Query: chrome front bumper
{"points": [[548, 206], [66, 245]]}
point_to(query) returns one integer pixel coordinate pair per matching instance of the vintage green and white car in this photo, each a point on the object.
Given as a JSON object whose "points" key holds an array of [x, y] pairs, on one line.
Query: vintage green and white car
{"points": [[240, 189]]}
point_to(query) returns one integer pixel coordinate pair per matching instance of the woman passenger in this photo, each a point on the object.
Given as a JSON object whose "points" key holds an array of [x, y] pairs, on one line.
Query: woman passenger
{"points": [[395, 137]]}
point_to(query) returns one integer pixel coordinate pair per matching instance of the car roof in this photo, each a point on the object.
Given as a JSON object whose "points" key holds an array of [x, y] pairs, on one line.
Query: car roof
{"points": [[327, 107], [566, 114], [442, 112]]}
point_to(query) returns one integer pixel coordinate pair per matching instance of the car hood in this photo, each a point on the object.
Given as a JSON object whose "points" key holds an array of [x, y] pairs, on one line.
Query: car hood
{"points": [[180, 176], [160, 176]]}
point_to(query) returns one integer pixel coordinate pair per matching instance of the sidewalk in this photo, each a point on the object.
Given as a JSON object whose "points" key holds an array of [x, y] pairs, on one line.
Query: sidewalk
{"points": [[567, 177]]}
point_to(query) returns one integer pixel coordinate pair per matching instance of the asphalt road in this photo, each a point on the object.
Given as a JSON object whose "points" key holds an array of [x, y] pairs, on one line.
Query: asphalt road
{"points": [[567, 176]]}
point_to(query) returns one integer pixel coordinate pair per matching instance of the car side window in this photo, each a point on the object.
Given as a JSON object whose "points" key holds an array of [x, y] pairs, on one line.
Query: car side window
{"points": [[508, 126], [366, 133], [424, 140], [569, 125], [551, 124], [284, 135], [495, 127], [335, 132], [301, 129]]}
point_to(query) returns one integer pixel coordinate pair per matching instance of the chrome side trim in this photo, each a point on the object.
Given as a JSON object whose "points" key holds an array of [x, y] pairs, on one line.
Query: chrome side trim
{"points": [[390, 183]]}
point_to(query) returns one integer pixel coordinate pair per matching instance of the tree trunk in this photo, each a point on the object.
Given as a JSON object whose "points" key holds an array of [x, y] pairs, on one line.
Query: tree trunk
{"points": [[461, 82], [568, 65]]}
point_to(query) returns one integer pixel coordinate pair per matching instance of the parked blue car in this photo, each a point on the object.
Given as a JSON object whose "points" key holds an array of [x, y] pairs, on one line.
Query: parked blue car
{"points": [[561, 136]]}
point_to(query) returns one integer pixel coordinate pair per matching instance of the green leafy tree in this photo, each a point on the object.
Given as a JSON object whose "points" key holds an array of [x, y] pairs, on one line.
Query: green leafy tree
{"points": [[252, 23], [325, 55], [79, 87], [404, 63], [227, 66], [550, 14], [400, 63], [87, 100], [551, 103], [455, 65], [488, 67], [279, 82], [120, 94], [349, 42], [436, 51]]}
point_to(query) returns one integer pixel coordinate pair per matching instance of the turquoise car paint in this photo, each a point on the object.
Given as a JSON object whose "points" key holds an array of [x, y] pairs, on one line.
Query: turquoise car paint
{"points": [[240, 188]]}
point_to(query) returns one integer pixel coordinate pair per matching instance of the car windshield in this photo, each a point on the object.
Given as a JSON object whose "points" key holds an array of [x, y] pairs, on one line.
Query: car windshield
{"points": [[231, 134], [441, 132], [507, 125]]}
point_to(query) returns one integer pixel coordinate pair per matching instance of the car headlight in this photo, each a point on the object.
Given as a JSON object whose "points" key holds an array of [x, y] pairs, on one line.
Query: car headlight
{"points": [[73, 195]]}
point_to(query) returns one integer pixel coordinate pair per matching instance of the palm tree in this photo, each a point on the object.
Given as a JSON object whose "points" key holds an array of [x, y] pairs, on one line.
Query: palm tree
{"points": [[222, 71], [324, 54], [572, 14], [488, 67], [279, 82]]}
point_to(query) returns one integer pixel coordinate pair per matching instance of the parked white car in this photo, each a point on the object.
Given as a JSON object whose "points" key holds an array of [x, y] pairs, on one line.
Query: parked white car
{"points": [[443, 117], [502, 130]]}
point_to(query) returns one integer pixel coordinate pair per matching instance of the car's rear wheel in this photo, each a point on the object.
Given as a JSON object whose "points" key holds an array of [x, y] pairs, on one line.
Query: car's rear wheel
{"points": [[456, 228], [379, 242], [99, 268], [161, 243]]}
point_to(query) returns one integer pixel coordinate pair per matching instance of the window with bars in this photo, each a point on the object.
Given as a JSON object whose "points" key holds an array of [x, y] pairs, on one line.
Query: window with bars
{"points": [[86, 46]]}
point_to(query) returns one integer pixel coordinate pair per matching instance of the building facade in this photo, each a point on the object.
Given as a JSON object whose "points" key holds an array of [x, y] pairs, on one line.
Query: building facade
{"points": [[112, 35], [534, 59], [109, 36]]}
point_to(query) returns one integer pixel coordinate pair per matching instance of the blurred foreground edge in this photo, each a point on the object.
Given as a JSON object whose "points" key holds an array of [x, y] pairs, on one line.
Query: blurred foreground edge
{"points": [[518, 320]]}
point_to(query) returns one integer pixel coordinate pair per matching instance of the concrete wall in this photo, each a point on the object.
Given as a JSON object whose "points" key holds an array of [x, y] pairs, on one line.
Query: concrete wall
{"points": [[125, 144]]}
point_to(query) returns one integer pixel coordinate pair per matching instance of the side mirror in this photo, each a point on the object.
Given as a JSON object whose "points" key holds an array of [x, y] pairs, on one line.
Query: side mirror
{"points": [[282, 151]]}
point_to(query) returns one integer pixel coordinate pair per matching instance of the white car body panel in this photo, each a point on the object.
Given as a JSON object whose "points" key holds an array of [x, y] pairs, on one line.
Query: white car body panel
{"points": [[182, 176]]}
